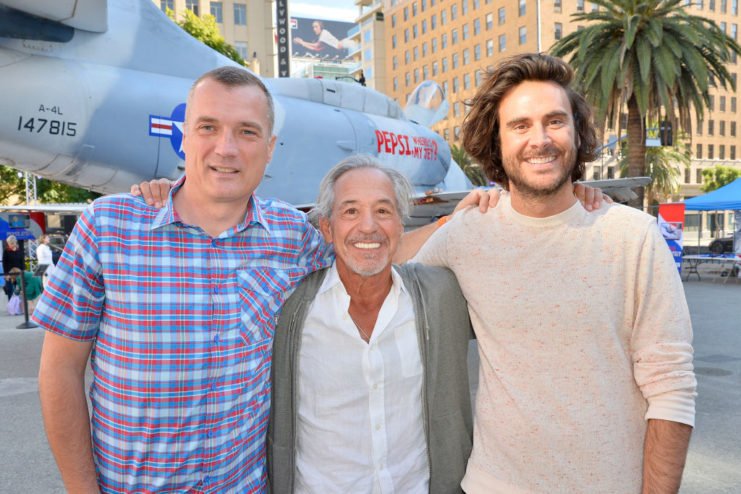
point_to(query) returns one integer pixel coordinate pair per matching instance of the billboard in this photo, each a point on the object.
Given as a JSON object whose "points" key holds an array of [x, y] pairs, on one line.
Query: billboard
{"points": [[671, 226], [326, 40]]}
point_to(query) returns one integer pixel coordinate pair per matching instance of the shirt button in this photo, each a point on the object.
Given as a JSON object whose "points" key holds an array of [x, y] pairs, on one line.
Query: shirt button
{"points": [[216, 288], [210, 434], [378, 426], [206, 479], [216, 339], [213, 242], [375, 386], [213, 386]]}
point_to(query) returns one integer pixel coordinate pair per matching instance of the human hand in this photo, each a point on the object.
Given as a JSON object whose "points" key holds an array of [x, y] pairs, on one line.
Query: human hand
{"points": [[590, 197], [483, 198], [154, 192]]}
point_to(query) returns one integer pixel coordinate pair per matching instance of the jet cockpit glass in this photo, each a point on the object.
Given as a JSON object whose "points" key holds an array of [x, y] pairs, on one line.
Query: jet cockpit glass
{"points": [[427, 104]]}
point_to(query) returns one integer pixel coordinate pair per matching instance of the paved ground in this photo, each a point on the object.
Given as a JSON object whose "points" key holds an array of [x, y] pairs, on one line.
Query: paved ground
{"points": [[713, 467]]}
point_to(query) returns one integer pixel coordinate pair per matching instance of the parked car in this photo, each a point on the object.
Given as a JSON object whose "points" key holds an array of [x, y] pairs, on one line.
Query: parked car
{"points": [[721, 245]]}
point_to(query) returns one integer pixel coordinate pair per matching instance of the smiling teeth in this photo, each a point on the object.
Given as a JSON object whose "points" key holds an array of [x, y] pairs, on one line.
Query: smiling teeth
{"points": [[541, 160], [223, 170], [361, 245]]}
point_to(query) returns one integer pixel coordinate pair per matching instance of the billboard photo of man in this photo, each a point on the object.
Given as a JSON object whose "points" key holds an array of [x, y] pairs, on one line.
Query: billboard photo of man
{"points": [[324, 44]]}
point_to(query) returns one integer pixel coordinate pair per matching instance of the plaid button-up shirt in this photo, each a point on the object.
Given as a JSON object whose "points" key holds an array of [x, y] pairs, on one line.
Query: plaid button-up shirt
{"points": [[183, 329]]}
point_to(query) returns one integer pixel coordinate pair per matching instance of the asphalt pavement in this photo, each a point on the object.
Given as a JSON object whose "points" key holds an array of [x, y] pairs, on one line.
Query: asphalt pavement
{"points": [[714, 459]]}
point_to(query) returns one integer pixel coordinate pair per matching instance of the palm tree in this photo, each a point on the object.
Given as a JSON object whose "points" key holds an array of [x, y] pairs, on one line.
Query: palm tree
{"points": [[472, 170], [662, 166], [650, 55]]}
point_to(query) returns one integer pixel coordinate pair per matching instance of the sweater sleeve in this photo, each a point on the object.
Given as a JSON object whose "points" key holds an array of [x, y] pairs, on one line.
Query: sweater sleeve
{"points": [[661, 343]]}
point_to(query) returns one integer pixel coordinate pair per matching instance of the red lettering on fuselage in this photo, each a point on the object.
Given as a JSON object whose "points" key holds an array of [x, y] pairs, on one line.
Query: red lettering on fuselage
{"points": [[398, 144]]}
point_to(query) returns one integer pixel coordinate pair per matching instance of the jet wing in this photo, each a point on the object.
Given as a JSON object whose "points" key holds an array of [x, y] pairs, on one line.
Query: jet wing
{"points": [[88, 15]]}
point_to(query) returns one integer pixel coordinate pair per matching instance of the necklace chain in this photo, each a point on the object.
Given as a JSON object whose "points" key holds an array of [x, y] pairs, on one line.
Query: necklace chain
{"points": [[363, 334]]}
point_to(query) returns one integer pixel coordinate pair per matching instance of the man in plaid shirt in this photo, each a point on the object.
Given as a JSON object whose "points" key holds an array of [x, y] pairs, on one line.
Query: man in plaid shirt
{"points": [[176, 309]]}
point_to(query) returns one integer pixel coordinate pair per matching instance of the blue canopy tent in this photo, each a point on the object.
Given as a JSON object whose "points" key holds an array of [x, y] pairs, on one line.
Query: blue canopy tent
{"points": [[727, 197]]}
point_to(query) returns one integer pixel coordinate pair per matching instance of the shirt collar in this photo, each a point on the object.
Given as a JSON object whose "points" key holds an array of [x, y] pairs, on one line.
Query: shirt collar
{"points": [[333, 281], [255, 213]]}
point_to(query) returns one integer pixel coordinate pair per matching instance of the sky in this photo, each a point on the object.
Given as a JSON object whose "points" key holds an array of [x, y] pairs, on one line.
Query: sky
{"points": [[336, 10]]}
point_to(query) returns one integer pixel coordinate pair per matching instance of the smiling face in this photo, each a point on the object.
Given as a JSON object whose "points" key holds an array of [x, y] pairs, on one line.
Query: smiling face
{"points": [[227, 142], [365, 225], [538, 140]]}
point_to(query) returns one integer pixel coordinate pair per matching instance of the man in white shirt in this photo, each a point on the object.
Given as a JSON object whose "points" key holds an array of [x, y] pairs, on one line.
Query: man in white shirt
{"points": [[370, 383]]}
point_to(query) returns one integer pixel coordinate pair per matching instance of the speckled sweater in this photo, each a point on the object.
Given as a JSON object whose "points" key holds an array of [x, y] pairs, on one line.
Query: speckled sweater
{"points": [[584, 334]]}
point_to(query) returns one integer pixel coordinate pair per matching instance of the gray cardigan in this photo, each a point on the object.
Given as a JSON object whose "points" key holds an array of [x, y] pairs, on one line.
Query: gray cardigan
{"points": [[443, 330]]}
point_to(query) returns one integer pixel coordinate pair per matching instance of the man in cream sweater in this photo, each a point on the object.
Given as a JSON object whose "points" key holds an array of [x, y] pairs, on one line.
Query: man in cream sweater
{"points": [[586, 377]]}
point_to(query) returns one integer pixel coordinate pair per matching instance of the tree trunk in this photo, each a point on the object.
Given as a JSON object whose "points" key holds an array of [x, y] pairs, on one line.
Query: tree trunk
{"points": [[636, 148]]}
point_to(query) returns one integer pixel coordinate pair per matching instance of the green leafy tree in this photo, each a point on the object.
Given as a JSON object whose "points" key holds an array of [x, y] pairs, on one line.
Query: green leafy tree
{"points": [[206, 30], [650, 55], [12, 185], [718, 176], [472, 170]]}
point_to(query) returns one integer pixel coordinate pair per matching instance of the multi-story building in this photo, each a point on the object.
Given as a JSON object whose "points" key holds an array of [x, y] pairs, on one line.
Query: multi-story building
{"points": [[370, 54], [248, 25], [454, 42]]}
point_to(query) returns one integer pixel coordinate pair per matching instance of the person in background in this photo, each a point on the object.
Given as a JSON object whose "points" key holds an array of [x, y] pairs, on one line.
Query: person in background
{"points": [[44, 257], [33, 287], [12, 258]]}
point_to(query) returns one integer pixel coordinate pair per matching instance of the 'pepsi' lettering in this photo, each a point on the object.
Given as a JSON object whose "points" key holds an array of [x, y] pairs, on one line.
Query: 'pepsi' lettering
{"points": [[393, 143]]}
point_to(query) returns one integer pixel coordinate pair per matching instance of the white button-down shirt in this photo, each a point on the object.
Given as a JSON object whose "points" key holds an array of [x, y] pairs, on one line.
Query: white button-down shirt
{"points": [[360, 420]]}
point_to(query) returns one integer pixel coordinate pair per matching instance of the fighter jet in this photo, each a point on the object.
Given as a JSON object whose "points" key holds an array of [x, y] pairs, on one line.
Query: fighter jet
{"points": [[93, 95]]}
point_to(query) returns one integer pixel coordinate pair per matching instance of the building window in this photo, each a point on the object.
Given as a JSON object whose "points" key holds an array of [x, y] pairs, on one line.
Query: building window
{"points": [[424, 49], [521, 8], [734, 7], [476, 26], [699, 128], [424, 5], [414, 9], [466, 81], [733, 129], [395, 63], [444, 40], [722, 127], [455, 60], [489, 21], [456, 109], [698, 175], [434, 69], [434, 45], [734, 31], [686, 176], [443, 17], [457, 132], [557, 30], [711, 127], [466, 56], [464, 7], [192, 5], [367, 55], [489, 47], [396, 83], [424, 26], [415, 52], [722, 152], [407, 79], [406, 57], [475, 4], [433, 22], [722, 103], [167, 4], [523, 35], [454, 36], [414, 31], [416, 76], [240, 14], [446, 134], [465, 32], [445, 64], [406, 13], [580, 5], [241, 47], [406, 36], [733, 152], [502, 42], [557, 6], [711, 152], [711, 103], [445, 88], [216, 11], [455, 84], [393, 20], [698, 152], [453, 12], [502, 18], [477, 52], [393, 41], [711, 5]]}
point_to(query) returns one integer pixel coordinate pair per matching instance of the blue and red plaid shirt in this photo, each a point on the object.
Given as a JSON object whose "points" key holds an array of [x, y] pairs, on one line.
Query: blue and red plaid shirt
{"points": [[183, 329]]}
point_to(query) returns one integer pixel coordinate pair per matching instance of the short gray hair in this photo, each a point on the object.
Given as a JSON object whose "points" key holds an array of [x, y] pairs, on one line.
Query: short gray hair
{"points": [[232, 77], [403, 189]]}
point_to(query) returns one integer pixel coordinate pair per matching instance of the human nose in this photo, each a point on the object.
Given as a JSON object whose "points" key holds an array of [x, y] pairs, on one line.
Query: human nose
{"points": [[226, 145], [367, 222], [539, 136]]}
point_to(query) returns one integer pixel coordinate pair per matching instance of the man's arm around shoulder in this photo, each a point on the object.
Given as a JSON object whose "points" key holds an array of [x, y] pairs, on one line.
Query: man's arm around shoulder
{"points": [[65, 412]]}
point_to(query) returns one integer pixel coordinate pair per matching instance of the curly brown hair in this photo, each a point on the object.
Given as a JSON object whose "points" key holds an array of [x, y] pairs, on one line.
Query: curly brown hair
{"points": [[481, 127]]}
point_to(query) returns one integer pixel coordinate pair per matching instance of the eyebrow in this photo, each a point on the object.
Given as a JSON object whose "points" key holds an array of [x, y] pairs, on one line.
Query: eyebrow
{"points": [[249, 124], [516, 121], [350, 202]]}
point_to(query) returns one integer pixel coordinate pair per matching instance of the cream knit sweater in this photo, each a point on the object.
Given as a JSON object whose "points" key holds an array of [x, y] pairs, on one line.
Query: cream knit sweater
{"points": [[583, 334]]}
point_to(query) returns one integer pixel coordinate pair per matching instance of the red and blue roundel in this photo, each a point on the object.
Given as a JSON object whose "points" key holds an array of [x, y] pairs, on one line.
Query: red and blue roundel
{"points": [[171, 127]]}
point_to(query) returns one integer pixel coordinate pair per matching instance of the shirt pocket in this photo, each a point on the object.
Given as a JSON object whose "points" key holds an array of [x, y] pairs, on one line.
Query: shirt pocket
{"points": [[262, 291]]}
